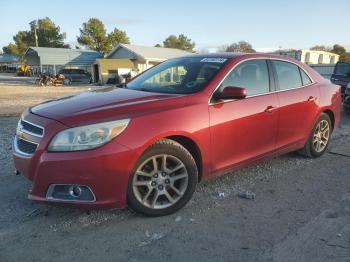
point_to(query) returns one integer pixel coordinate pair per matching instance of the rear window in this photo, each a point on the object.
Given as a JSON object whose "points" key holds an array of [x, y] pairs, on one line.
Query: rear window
{"points": [[72, 71], [77, 71], [305, 78], [342, 69], [288, 75], [64, 71]]}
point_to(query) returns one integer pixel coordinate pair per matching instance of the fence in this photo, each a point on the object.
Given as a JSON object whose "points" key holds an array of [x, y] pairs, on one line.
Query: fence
{"points": [[324, 70]]}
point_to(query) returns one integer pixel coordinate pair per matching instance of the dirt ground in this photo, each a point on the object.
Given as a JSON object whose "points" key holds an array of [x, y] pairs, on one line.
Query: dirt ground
{"points": [[18, 93], [301, 213]]}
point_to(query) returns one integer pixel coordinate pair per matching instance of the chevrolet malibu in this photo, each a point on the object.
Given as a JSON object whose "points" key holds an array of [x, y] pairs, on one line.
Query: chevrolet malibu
{"points": [[148, 143]]}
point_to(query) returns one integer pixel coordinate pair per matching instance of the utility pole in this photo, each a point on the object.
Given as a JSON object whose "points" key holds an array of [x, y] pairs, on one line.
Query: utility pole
{"points": [[35, 34]]}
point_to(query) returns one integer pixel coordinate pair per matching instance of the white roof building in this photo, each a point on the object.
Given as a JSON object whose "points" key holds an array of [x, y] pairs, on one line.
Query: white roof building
{"points": [[144, 57], [310, 56]]}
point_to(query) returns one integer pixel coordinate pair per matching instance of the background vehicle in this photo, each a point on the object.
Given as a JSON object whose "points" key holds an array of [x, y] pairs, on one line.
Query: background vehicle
{"points": [[346, 103], [8, 69], [50, 80], [76, 76], [187, 119], [24, 70], [341, 75]]}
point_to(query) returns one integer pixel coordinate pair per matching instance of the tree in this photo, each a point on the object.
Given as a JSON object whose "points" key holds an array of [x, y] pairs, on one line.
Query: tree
{"points": [[158, 45], [11, 49], [338, 49], [118, 37], [48, 35], [321, 48], [93, 34], [341, 51], [241, 46], [181, 42]]}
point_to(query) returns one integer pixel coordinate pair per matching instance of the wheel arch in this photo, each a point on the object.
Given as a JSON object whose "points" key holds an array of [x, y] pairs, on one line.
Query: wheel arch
{"points": [[331, 116], [186, 140], [193, 148]]}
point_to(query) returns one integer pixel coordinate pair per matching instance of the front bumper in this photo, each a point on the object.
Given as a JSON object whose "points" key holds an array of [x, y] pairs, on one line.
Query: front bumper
{"points": [[104, 170]]}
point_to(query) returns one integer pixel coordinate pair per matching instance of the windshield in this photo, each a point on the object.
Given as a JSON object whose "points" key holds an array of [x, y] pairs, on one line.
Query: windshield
{"points": [[178, 76], [342, 69]]}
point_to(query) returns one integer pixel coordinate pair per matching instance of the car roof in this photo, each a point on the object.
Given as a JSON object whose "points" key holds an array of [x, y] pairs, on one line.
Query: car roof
{"points": [[217, 55], [231, 55]]}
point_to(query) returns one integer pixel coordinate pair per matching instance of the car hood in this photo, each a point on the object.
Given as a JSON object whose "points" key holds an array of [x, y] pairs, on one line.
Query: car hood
{"points": [[99, 105]]}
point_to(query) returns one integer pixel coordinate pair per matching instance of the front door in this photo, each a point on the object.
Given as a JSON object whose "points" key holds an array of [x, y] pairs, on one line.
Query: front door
{"points": [[246, 128]]}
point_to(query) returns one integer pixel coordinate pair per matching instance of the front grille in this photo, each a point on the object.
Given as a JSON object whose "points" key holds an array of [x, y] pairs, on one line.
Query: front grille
{"points": [[31, 128], [25, 146]]}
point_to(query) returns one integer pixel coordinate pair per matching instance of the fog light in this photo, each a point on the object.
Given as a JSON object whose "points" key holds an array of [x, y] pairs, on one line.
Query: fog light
{"points": [[75, 191]]}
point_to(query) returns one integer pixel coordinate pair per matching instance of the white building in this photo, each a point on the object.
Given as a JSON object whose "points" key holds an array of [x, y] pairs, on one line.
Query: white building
{"points": [[144, 57], [134, 59], [311, 56]]}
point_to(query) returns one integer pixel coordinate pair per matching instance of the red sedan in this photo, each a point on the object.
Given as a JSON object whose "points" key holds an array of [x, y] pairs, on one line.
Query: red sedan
{"points": [[148, 143]]}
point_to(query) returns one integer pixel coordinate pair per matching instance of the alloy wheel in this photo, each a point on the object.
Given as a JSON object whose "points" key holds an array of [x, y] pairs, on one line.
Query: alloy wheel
{"points": [[160, 181], [321, 136]]}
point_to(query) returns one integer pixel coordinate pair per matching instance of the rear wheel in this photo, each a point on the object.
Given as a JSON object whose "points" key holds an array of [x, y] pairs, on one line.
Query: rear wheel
{"points": [[163, 180], [319, 138], [67, 81]]}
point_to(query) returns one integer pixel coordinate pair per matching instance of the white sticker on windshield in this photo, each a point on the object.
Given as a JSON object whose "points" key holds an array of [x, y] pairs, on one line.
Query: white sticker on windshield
{"points": [[214, 60]]}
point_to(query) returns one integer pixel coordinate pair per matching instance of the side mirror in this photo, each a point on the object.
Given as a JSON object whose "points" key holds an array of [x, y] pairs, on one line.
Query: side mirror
{"points": [[232, 92]]}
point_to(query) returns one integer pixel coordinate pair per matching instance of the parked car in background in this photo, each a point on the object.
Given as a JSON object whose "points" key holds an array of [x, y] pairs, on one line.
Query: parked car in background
{"points": [[78, 76], [341, 75], [346, 103], [147, 145]]}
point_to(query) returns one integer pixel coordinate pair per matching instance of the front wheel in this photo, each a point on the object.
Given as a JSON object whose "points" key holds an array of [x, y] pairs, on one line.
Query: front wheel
{"points": [[319, 138], [163, 180]]}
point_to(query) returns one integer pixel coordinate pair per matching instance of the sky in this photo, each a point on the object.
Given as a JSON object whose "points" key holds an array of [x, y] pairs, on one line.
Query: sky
{"points": [[266, 24]]}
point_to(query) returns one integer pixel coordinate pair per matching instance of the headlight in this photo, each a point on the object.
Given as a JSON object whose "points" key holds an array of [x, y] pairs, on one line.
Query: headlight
{"points": [[87, 137]]}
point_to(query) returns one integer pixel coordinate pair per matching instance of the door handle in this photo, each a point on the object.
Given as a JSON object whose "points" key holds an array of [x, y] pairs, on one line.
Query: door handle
{"points": [[312, 99], [269, 109]]}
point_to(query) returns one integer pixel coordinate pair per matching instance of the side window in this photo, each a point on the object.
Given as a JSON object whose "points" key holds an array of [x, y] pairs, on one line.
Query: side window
{"points": [[305, 78], [253, 75], [288, 75]]}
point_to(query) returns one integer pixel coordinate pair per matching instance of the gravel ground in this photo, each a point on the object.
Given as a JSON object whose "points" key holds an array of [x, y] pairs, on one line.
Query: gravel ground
{"points": [[301, 213], [18, 93]]}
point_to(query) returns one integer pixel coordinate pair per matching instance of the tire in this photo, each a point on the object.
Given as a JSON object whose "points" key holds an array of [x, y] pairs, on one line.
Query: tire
{"points": [[149, 178], [67, 81], [311, 149]]}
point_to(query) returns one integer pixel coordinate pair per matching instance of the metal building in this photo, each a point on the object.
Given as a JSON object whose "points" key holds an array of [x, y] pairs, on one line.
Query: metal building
{"points": [[9, 62], [51, 60]]}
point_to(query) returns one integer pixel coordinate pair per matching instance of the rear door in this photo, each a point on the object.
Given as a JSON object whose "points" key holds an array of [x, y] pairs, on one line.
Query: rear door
{"points": [[298, 103], [246, 128]]}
